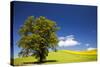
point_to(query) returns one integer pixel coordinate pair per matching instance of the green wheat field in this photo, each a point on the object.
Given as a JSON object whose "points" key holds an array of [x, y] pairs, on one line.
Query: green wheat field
{"points": [[61, 56]]}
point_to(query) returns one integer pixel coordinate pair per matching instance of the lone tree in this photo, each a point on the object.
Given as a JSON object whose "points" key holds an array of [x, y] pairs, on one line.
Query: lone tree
{"points": [[38, 35]]}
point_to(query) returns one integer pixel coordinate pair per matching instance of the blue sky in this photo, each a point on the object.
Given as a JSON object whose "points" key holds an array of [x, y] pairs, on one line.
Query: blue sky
{"points": [[77, 23]]}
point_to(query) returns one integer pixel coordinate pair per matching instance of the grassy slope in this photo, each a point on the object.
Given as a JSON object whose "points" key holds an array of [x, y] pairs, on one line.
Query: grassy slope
{"points": [[63, 56]]}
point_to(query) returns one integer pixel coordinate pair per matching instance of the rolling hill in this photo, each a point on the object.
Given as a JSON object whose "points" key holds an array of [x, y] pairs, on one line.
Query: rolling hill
{"points": [[61, 56]]}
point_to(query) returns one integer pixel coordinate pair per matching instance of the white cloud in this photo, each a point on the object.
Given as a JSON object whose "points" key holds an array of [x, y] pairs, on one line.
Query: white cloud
{"points": [[87, 44], [68, 41], [61, 38], [91, 48]]}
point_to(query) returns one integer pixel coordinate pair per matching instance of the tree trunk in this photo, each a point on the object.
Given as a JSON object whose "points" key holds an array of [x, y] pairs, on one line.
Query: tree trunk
{"points": [[41, 57]]}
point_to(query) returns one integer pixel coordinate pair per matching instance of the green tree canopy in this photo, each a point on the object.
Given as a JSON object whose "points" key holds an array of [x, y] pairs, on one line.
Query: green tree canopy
{"points": [[37, 35]]}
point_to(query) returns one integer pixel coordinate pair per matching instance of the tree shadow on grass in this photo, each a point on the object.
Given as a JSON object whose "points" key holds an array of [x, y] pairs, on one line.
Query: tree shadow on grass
{"points": [[46, 61]]}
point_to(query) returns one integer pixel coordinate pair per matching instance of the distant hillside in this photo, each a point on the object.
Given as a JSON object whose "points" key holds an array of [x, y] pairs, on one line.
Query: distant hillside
{"points": [[87, 52]]}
